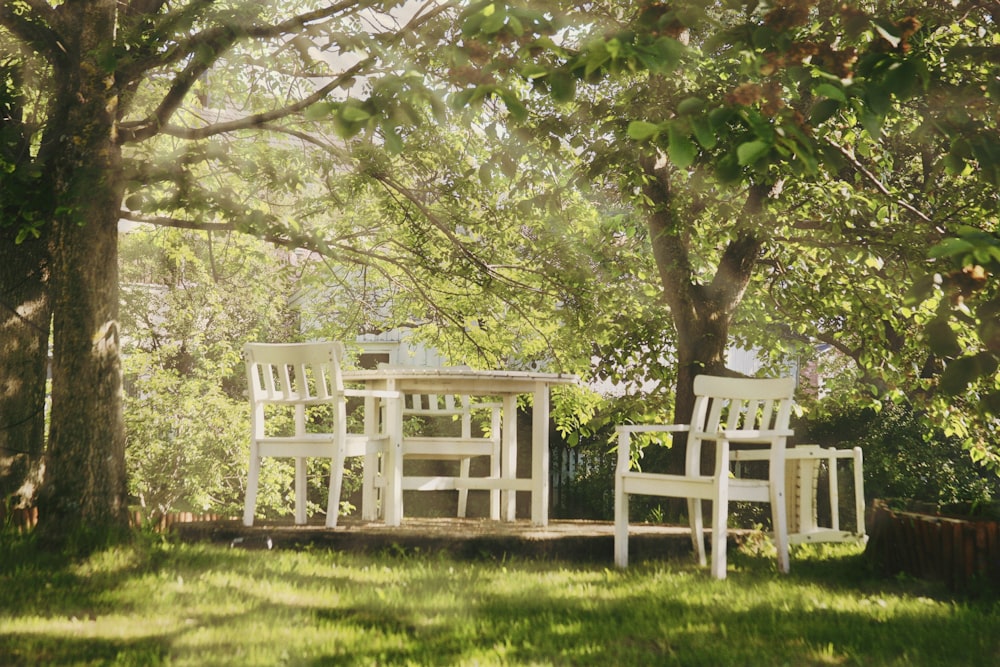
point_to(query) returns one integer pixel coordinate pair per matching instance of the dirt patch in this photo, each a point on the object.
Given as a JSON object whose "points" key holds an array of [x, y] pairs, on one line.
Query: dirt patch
{"points": [[580, 541]]}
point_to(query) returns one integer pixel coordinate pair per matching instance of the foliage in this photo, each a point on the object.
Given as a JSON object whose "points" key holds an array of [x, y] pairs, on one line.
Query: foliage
{"points": [[869, 125], [190, 302], [964, 336], [166, 603], [901, 460]]}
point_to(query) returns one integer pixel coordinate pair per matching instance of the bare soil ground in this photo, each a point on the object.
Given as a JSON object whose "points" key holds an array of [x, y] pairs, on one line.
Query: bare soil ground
{"points": [[581, 541]]}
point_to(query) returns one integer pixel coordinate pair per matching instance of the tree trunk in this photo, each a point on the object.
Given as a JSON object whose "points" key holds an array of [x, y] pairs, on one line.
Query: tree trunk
{"points": [[24, 351], [85, 485], [701, 312], [25, 314]]}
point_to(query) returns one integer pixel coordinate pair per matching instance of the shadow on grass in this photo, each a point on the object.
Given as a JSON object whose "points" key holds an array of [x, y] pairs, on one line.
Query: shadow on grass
{"points": [[31, 650], [831, 609]]}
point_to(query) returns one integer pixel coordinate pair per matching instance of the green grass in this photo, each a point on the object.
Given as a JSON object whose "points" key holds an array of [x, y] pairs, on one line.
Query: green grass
{"points": [[158, 602]]}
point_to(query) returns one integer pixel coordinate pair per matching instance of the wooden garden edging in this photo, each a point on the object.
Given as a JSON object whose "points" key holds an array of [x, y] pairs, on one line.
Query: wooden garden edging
{"points": [[957, 551], [24, 519]]}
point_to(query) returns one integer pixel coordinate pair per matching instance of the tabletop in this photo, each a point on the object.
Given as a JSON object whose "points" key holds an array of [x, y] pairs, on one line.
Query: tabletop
{"points": [[463, 380]]}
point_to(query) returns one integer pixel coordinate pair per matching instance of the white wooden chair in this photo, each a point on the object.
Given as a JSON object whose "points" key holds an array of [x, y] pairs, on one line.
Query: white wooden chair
{"points": [[452, 413], [802, 488], [296, 382], [728, 412]]}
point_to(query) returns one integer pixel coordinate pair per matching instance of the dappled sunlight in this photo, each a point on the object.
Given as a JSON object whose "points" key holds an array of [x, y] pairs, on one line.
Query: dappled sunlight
{"points": [[192, 605]]}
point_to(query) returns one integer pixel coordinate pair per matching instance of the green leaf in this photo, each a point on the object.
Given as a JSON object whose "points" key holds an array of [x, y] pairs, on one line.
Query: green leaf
{"points": [[902, 79], [641, 130], [681, 150], [920, 291], [878, 99], [515, 107], [950, 248], [597, 56], [942, 340], [958, 375], [750, 152], [823, 110], [727, 170], [393, 142], [533, 71], [494, 22], [703, 132], [872, 123], [462, 98], [319, 110], [666, 54], [563, 86], [831, 91], [720, 116], [690, 105], [354, 114]]}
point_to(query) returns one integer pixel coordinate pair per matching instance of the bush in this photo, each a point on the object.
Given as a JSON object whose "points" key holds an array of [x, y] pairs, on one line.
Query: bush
{"points": [[901, 460]]}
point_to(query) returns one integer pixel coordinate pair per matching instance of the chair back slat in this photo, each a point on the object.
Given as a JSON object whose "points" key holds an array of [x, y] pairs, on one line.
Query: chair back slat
{"points": [[291, 373], [742, 403]]}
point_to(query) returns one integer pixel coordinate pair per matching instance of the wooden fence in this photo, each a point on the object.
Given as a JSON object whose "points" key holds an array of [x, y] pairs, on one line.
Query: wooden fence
{"points": [[959, 552]]}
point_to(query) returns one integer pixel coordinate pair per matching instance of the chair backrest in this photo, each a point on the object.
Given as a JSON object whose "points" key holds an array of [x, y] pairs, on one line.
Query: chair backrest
{"points": [[294, 373], [749, 404], [294, 377]]}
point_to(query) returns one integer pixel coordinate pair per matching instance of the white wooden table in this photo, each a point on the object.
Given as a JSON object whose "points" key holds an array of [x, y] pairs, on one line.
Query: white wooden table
{"points": [[506, 385]]}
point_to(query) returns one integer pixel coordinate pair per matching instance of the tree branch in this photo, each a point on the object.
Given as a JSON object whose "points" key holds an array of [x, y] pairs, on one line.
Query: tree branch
{"points": [[147, 128], [36, 28], [219, 39], [879, 185]]}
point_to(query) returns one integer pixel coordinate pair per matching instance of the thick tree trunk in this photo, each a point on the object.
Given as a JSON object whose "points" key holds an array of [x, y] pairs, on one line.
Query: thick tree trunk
{"points": [[85, 485], [25, 314], [24, 350], [701, 312]]}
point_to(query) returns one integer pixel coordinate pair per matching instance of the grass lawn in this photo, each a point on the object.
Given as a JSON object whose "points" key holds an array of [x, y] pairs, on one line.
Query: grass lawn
{"points": [[158, 602]]}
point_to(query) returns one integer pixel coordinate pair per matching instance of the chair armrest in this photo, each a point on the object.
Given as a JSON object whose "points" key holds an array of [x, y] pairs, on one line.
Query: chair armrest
{"points": [[625, 432], [746, 436], [652, 428]]}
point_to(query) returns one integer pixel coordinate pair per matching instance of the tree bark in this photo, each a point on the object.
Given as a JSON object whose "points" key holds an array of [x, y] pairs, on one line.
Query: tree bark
{"points": [[85, 483], [24, 350], [25, 314]]}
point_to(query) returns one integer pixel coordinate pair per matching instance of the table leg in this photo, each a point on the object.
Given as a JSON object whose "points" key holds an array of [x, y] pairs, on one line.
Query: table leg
{"points": [[369, 499], [540, 456], [508, 456], [393, 462]]}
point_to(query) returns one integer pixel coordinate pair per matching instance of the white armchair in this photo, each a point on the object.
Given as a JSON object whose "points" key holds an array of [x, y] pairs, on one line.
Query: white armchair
{"points": [[731, 413]]}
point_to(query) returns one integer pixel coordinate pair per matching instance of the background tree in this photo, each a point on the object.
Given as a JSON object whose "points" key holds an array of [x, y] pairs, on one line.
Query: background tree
{"points": [[91, 80], [24, 301], [758, 123]]}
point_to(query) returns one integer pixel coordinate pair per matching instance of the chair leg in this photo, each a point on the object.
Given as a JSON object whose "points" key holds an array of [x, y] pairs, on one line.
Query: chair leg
{"points": [[300, 490], [779, 520], [720, 521], [336, 483], [253, 480], [463, 492], [621, 524], [369, 500], [697, 521]]}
